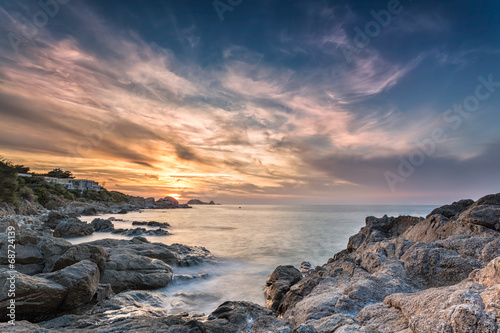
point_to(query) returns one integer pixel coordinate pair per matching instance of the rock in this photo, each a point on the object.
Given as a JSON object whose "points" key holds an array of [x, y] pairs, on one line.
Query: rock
{"points": [[36, 298], [54, 218], [152, 224], [73, 228], [457, 308], [378, 229], [486, 216], [102, 225], [89, 211], [35, 252], [488, 276], [199, 202], [242, 317], [184, 278], [167, 202], [407, 274], [434, 266], [143, 231], [80, 280], [305, 267], [122, 211], [78, 253], [130, 271], [452, 210], [306, 328], [278, 284]]}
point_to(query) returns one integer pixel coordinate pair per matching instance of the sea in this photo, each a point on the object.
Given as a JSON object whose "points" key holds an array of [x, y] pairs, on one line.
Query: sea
{"points": [[249, 242]]}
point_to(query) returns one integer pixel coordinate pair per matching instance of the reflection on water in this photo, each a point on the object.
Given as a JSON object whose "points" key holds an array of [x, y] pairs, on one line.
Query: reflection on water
{"points": [[250, 243]]}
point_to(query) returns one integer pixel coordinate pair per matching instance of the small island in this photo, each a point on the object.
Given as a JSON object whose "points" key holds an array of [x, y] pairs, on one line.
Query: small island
{"points": [[199, 202]]}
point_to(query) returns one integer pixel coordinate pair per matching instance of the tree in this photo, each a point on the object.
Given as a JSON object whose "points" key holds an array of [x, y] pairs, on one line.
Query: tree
{"points": [[8, 182], [59, 173]]}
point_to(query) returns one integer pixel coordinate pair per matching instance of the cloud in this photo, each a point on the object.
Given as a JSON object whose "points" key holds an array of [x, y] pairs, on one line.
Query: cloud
{"points": [[109, 104]]}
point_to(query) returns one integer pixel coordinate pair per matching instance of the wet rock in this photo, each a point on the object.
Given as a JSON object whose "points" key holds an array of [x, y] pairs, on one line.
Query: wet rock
{"points": [[73, 228], [152, 224], [143, 231], [102, 225], [185, 278]]}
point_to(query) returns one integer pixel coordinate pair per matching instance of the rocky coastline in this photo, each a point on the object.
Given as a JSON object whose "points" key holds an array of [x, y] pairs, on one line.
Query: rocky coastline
{"points": [[402, 274]]}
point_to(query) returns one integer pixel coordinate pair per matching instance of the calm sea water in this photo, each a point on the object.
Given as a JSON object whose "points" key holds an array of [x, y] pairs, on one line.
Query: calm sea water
{"points": [[250, 242]]}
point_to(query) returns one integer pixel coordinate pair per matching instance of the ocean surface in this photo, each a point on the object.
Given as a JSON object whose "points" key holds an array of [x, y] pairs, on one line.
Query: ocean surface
{"points": [[250, 242]]}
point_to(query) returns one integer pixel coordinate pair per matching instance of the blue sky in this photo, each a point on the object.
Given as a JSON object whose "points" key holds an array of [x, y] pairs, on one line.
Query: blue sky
{"points": [[279, 102]]}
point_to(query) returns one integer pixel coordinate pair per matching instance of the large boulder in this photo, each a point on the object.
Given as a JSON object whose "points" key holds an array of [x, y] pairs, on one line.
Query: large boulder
{"points": [[35, 252], [485, 212], [77, 253], [130, 271], [175, 254], [36, 298], [73, 228], [80, 280], [279, 283]]}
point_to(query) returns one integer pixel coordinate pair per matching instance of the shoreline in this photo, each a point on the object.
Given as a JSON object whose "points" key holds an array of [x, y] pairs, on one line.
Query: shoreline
{"points": [[389, 265]]}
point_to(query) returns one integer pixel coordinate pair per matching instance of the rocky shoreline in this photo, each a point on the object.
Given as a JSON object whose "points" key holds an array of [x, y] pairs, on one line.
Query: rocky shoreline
{"points": [[398, 274]]}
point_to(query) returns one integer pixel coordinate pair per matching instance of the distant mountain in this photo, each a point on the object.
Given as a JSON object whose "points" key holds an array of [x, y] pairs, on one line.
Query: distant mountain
{"points": [[199, 202]]}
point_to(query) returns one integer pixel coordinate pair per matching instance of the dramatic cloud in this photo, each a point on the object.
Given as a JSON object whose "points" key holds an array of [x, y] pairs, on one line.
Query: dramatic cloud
{"points": [[199, 108]]}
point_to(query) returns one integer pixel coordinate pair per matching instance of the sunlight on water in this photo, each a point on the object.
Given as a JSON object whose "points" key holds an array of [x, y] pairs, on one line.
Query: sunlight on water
{"points": [[249, 243]]}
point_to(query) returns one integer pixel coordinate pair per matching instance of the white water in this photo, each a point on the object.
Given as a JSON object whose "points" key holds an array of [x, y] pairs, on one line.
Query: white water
{"points": [[250, 242]]}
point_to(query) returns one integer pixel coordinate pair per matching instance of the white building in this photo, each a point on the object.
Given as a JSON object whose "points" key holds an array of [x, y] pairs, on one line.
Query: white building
{"points": [[75, 184]]}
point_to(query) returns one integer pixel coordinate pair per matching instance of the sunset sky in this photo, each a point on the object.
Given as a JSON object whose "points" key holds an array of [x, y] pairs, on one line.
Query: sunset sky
{"points": [[257, 101]]}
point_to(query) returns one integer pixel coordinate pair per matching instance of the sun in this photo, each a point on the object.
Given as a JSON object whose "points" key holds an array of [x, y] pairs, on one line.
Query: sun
{"points": [[175, 196]]}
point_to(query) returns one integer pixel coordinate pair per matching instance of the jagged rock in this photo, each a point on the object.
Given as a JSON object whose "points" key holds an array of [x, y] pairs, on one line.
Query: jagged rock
{"points": [[143, 231], [73, 228], [102, 225], [452, 210], [279, 283], [80, 280], [378, 229], [36, 298]]}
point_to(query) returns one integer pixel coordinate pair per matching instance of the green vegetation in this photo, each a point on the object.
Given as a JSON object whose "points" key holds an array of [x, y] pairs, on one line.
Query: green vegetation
{"points": [[14, 189]]}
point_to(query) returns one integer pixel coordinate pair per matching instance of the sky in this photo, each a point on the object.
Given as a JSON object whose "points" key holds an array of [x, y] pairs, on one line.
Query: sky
{"points": [[257, 102]]}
